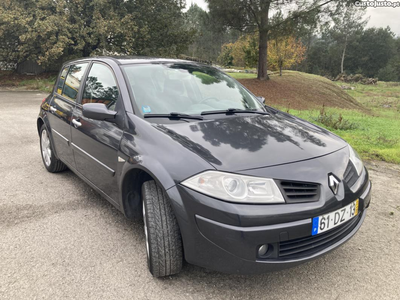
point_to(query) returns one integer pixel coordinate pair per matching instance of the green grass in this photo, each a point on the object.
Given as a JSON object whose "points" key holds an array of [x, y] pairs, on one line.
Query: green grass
{"points": [[383, 98], [242, 75], [374, 136], [44, 84]]}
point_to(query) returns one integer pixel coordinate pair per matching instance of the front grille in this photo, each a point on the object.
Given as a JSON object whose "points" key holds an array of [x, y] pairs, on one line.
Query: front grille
{"points": [[350, 175], [309, 245], [297, 192]]}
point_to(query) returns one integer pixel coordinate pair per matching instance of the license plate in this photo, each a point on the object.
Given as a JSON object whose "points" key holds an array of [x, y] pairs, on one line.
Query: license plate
{"points": [[331, 220]]}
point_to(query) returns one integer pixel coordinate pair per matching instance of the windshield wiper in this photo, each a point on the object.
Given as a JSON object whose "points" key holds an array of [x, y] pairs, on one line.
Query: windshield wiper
{"points": [[231, 111], [174, 115]]}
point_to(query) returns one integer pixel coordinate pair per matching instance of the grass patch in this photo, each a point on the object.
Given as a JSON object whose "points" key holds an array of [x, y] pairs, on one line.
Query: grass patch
{"points": [[383, 98], [334, 121], [44, 85], [43, 82], [373, 137], [242, 75]]}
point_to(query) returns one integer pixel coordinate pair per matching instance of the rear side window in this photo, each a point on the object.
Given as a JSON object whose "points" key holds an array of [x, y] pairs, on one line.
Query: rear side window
{"points": [[61, 80], [101, 87], [73, 81]]}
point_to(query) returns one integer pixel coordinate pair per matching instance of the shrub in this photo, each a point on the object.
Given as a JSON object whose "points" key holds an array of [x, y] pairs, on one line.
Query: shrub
{"points": [[388, 73], [334, 121]]}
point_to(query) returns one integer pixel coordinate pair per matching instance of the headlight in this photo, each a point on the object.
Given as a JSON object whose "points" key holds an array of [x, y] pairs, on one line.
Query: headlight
{"points": [[235, 188], [356, 160]]}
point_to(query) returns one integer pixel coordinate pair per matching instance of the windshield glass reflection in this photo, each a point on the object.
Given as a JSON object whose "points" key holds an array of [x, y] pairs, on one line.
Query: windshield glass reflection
{"points": [[186, 88]]}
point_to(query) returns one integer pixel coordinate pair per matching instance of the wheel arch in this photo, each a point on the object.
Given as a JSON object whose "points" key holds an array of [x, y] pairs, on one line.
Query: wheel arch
{"points": [[39, 124], [131, 186]]}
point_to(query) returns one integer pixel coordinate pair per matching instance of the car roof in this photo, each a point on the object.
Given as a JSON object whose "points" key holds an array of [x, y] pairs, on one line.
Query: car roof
{"points": [[124, 60]]}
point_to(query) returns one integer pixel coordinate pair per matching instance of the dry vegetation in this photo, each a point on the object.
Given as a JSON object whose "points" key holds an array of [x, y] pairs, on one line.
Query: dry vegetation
{"points": [[295, 90], [43, 82]]}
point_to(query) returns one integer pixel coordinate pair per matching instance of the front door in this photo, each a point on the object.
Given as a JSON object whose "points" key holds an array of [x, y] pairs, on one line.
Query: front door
{"points": [[95, 143], [61, 107]]}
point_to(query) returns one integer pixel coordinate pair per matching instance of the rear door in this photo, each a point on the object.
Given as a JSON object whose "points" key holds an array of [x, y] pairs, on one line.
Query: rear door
{"points": [[95, 143], [61, 107]]}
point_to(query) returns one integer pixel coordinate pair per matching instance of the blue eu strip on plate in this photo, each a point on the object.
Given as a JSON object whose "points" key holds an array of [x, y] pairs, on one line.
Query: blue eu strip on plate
{"points": [[315, 222]]}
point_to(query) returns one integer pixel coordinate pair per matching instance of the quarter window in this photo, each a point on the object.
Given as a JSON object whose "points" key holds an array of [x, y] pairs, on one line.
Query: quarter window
{"points": [[61, 80], [73, 81], [101, 87]]}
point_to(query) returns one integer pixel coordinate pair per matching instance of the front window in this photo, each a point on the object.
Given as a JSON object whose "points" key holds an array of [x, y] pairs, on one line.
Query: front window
{"points": [[101, 87], [186, 89]]}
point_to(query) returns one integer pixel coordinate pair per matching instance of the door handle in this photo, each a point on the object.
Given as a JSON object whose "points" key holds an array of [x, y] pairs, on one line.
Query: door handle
{"points": [[53, 109], [76, 123]]}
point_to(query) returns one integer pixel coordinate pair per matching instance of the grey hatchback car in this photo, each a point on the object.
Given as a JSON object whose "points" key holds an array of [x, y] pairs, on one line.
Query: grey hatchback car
{"points": [[219, 178]]}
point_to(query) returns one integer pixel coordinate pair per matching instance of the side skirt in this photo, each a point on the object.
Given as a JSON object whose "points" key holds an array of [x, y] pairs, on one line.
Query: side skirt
{"points": [[92, 185]]}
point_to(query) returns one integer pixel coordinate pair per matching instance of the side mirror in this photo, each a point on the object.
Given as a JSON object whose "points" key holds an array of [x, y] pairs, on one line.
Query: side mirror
{"points": [[98, 111], [261, 100]]}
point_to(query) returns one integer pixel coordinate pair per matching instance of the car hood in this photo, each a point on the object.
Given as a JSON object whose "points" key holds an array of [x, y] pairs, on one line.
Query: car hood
{"points": [[238, 142]]}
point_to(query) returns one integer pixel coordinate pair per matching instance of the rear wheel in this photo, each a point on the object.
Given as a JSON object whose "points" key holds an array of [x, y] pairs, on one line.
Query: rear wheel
{"points": [[163, 238], [51, 163]]}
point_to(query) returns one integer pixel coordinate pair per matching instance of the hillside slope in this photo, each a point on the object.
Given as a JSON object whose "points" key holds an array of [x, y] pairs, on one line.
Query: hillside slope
{"points": [[297, 90]]}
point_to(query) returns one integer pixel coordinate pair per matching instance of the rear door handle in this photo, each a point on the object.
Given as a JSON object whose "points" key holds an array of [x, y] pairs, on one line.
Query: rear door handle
{"points": [[53, 109], [76, 123]]}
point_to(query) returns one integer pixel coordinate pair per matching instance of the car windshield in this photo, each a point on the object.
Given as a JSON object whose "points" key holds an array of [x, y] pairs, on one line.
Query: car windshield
{"points": [[187, 89]]}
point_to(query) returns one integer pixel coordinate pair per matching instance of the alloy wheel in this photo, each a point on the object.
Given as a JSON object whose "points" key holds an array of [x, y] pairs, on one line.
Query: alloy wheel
{"points": [[46, 149]]}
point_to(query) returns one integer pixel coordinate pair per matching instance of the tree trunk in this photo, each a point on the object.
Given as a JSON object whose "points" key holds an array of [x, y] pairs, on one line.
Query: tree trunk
{"points": [[343, 54], [263, 43], [280, 69]]}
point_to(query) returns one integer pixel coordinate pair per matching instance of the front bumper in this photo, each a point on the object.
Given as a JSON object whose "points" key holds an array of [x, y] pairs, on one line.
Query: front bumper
{"points": [[230, 244]]}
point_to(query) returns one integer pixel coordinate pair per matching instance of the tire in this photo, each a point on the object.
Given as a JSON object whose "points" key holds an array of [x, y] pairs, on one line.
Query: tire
{"points": [[163, 238], [50, 161]]}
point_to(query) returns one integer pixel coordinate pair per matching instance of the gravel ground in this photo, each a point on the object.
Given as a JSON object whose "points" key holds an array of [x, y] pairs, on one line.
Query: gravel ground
{"points": [[60, 239]]}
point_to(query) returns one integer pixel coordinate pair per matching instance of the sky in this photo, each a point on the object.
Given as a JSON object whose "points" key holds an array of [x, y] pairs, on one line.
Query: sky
{"points": [[379, 17]]}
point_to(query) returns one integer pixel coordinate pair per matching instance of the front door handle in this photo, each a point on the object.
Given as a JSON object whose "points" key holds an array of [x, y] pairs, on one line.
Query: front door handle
{"points": [[53, 109], [76, 123]]}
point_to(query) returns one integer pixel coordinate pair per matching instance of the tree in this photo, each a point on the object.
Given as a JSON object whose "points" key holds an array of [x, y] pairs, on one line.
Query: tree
{"points": [[33, 30], [250, 49], [48, 31], [208, 39], [242, 53], [346, 24], [391, 72], [251, 16], [285, 52], [226, 57], [376, 47], [388, 73]]}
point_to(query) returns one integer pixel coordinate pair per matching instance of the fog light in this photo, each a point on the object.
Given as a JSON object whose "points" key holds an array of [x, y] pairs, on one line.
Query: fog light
{"points": [[262, 250]]}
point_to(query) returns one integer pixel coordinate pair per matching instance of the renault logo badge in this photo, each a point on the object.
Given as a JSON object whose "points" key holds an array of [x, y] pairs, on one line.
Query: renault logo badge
{"points": [[333, 184]]}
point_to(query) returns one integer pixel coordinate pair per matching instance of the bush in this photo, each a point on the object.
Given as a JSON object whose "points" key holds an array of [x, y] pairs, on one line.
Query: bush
{"points": [[388, 73], [226, 57], [334, 121]]}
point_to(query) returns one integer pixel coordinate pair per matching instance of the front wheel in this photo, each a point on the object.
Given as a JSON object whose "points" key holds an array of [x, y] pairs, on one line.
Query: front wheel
{"points": [[163, 238], [51, 163]]}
